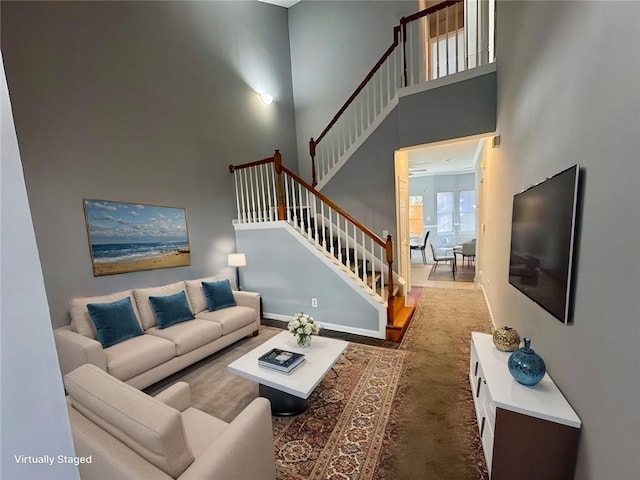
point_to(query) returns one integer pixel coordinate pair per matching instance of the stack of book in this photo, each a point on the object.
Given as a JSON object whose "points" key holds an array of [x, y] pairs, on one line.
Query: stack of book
{"points": [[281, 360]]}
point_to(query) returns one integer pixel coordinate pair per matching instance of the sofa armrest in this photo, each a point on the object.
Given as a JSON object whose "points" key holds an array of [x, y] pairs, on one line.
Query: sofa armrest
{"points": [[244, 450], [248, 299], [75, 349], [177, 396]]}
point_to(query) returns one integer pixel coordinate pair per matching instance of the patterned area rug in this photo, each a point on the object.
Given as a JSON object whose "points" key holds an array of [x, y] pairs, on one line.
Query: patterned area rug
{"points": [[402, 414], [338, 437], [340, 434]]}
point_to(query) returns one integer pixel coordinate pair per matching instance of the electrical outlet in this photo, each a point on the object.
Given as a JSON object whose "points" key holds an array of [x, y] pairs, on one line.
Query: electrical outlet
{"points": [[314, 302], [384, 234]]}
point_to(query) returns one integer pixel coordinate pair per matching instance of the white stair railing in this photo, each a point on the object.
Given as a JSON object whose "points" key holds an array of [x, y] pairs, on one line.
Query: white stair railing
{"points": [[266, 191], [445, 39]]}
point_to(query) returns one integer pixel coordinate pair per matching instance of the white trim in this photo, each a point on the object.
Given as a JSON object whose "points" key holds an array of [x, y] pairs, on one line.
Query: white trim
{"points": [[331, 326], [372, 299], [448, 79], [486, 300]]}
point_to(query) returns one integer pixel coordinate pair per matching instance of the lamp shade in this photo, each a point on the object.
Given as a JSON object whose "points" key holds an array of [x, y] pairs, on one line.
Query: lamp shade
{"points": [[237, 260]]}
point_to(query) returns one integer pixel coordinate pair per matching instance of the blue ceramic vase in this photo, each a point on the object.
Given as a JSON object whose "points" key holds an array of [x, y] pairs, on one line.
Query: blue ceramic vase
{"points": [[526, 366]]}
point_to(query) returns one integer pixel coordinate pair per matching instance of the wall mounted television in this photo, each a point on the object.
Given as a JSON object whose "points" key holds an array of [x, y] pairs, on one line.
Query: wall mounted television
{"points": [[543, 242]]}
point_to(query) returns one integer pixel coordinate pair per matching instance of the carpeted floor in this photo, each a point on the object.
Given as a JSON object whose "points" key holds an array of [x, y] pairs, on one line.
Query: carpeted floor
{"points": [[403, 413], [433, 432]]}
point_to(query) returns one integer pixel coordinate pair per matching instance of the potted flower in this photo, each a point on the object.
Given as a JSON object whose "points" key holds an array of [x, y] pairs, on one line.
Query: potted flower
{"points": [[302, 327]]}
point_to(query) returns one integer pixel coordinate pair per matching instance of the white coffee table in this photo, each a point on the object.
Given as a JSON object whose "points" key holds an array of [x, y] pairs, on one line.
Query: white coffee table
{"points": [[288, 393]]}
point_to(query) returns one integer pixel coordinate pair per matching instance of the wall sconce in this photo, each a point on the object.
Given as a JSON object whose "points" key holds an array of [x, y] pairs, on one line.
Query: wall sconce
{"points": [[237, 260], [266, 98]]}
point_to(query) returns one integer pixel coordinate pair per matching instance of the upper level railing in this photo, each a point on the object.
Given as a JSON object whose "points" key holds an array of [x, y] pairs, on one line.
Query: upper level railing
{"points": [[447, 38], [268, 191]]}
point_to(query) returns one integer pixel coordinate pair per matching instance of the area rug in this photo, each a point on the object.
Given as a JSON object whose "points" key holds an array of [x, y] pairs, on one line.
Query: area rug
{"points": [[443, 274], [432, 432], [340, 434]]}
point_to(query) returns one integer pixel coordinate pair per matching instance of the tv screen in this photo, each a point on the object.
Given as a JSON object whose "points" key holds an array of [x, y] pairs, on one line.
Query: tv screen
{"points": [[542, 242]]}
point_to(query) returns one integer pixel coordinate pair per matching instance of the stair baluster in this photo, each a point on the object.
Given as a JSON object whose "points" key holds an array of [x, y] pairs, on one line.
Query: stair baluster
{"points": [[267, 186]]}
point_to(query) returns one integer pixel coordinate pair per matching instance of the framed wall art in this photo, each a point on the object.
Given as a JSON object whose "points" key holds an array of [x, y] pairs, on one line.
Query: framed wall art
{"points": [[130, 237]]}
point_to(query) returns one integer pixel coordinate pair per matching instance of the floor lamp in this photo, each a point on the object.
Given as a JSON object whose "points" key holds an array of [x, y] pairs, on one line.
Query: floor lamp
{"points": [[237, 260]]}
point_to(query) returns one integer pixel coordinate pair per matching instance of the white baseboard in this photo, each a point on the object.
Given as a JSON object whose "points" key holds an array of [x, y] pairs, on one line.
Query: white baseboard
{"points": [[486, 300], [330, 326]]}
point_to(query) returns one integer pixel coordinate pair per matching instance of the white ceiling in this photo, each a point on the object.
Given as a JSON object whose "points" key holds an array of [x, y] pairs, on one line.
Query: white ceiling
{"points": [[282, 3], [443, 159]]}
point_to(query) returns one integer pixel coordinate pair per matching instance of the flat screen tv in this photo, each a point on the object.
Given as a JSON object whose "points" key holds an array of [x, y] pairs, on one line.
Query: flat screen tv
{"points": [[543, 236]]}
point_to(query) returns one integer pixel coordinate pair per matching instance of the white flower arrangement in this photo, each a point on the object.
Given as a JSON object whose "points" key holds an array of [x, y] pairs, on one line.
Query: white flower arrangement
{"points": [[302, 326]]}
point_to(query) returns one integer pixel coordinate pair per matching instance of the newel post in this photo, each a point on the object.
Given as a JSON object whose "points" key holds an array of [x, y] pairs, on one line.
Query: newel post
{"points": [[312, 152], [389, 250], [277, 161]]}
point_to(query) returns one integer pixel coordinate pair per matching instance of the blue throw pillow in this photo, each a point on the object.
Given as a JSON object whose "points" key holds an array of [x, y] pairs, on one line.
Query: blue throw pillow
{"points": [[219, 295], [115, 322], [171, 309]]}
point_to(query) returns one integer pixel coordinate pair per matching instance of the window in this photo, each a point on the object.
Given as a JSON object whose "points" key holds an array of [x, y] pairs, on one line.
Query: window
{"points": [[444, 209], [415, 216], [466, 209]]}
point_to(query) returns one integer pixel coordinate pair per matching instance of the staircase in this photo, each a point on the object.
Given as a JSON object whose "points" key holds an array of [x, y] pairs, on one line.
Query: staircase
{"points": [[267, 191], [445, 39]]}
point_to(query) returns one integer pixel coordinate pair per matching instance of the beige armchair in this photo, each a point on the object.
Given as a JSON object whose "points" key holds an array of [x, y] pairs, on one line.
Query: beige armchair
{"points": [[130, 435]]}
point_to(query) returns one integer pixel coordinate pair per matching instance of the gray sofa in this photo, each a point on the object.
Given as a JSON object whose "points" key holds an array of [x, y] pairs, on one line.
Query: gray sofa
{"points": [[145, 359]]}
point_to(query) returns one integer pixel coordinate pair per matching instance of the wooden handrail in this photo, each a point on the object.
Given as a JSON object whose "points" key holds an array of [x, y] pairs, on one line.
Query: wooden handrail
{"points": [[318, 194], [233, 168], [399, 32], [279, 169], [369, 76]]}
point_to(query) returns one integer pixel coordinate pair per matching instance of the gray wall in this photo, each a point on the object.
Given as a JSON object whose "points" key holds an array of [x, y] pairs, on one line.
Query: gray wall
{"points": [[428, 187], [34, 413], [365, 187], [144, 102], [289, 277], [569, 92], [453, 111], [334, 44]]}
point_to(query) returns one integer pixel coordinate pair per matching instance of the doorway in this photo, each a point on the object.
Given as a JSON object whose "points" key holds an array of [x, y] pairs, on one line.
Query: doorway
{"points": [[443, 193]]}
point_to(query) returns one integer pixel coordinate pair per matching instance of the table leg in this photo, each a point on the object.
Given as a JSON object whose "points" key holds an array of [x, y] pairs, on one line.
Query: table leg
{"points": [[283, 404]]}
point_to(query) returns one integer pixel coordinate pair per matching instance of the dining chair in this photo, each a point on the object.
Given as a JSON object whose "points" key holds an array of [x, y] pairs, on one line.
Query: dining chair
{"points": [[422, 247], [444, 258]]}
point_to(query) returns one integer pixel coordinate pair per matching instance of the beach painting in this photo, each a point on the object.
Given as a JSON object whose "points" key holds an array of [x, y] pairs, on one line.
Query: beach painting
{"points": [[130, 237]]}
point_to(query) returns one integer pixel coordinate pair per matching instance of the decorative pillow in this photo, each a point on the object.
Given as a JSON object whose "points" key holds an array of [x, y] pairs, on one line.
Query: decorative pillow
{"points": [[114, 322], [219, 295], [171, 309], [195, 293], [81, 320], [141, 295]]}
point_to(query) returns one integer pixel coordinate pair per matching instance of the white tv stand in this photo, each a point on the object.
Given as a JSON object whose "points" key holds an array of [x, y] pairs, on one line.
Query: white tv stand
{"points": [[528, 433]]}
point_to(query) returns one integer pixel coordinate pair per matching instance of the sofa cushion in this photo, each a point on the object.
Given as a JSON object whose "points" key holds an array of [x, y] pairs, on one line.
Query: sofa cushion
{"points": [[196, 294], [152, 429], [219, 295], [81, 320], [114, 322], [231, 319], [147, 315], [189, 335], [136, 355], [171, 309]]}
